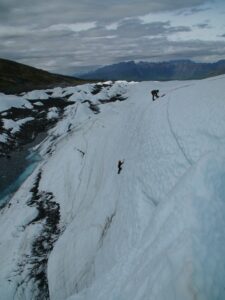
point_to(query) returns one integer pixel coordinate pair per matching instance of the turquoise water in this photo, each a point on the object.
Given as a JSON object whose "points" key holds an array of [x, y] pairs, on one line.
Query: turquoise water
{"points": [[5, 194], [15, 170]]}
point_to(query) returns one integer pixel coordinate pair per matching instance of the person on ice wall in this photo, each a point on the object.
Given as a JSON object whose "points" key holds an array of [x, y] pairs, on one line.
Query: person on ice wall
{"points": [[119, 165], [155, 94]]}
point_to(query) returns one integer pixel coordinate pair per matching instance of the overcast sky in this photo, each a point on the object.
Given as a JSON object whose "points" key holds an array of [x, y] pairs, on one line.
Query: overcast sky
{"points": [[65, 36]]}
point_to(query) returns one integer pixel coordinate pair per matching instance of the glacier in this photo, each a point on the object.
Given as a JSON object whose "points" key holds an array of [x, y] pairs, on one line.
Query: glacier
{"points": [[78, 230]]}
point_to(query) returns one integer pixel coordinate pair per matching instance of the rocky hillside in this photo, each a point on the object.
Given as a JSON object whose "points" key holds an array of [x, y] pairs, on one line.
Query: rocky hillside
{"points": [[16, 78]]}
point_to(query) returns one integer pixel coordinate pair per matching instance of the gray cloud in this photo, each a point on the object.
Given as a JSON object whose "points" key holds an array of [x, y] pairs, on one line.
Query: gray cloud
{"points": [[192, 10], [180, 50], [134, 28], [45, 34], [86, 10], [203, 25]]}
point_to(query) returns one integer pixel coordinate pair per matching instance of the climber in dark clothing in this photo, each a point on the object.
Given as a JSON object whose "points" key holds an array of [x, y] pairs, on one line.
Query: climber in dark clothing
{"points": [[120, 163], [154, 94]]}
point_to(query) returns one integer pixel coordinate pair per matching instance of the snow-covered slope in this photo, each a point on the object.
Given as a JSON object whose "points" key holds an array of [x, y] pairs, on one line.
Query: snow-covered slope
{"points": [[156, 231]]}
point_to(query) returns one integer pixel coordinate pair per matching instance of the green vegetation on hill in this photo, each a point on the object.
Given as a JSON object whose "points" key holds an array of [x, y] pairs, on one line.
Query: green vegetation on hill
{"points": [[17, 78]]}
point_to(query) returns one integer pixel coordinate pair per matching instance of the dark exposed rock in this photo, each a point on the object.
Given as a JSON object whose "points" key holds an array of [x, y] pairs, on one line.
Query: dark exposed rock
{"points": [[35, 264], [92, 106], [98, 87], [115, 98], [30, 129]]}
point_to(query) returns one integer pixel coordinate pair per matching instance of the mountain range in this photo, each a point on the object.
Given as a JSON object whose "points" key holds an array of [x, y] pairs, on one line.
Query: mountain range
{"points": [[170, 70]]}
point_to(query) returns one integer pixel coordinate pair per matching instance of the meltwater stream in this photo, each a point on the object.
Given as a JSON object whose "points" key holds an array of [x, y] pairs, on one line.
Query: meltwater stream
{"points": [[15, 170]]}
